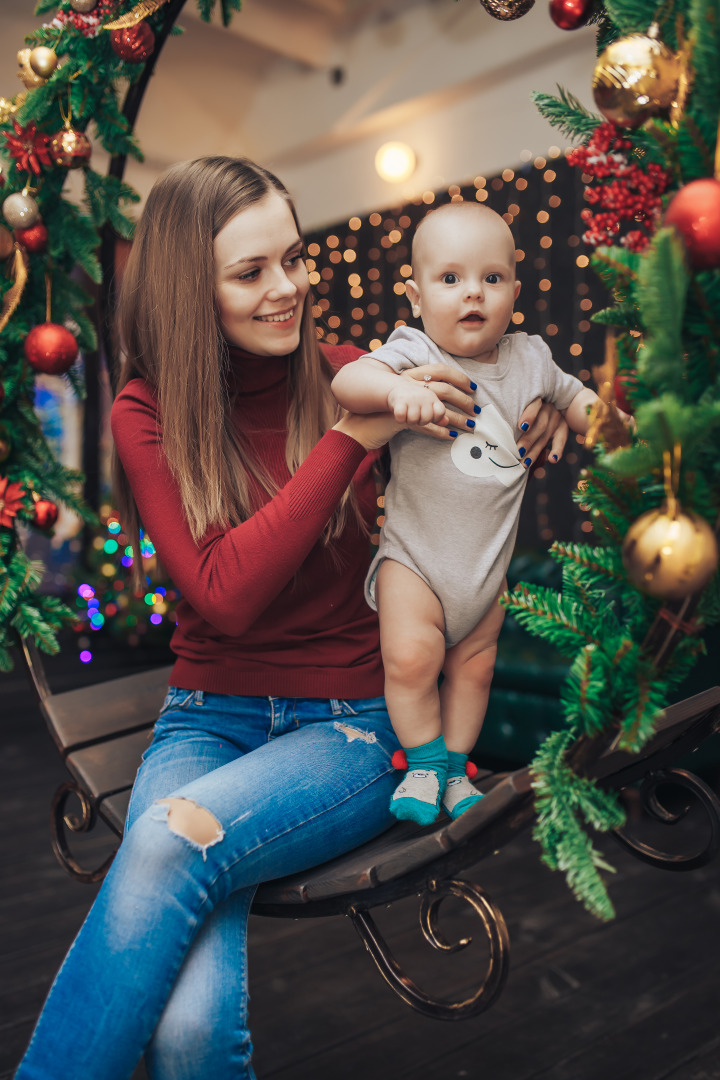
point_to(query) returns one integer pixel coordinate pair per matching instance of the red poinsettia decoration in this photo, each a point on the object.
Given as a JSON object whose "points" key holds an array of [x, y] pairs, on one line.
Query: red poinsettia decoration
{"points": [[624, 192], [28, 148], [11, 496]]}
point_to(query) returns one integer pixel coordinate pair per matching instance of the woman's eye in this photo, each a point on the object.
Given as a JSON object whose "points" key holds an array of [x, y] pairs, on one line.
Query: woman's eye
{"points": [[490, 446], [450, 279], [249, 275], [493, 279], [294, 259]]}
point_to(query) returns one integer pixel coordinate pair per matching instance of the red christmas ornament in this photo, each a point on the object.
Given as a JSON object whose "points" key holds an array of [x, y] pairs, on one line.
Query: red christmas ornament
{"points": [[570, 14], [70, 149], [398, 760], [50, 348], [471, 770], [695, 212], [133, 43], [45, 515], [11, 496], [623, 382], [34, 239]]}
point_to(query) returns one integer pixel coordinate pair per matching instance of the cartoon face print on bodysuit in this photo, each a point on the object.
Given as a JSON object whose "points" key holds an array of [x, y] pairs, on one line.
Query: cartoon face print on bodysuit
{"points": [[490, 450]]}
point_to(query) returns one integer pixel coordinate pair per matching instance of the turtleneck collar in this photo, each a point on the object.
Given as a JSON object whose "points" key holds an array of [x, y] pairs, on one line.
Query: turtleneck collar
{"points": [[251, 374]]}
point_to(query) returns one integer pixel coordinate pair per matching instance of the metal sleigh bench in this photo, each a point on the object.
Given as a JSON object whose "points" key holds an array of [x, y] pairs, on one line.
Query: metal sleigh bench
{"points": [[102, 730]]}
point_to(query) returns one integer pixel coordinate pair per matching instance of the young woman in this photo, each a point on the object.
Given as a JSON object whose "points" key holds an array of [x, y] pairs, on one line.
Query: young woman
{"points": [[272, 750]]}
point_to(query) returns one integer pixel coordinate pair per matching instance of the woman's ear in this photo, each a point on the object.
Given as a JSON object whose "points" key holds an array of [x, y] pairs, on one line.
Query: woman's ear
{"points": [[413, 295]]}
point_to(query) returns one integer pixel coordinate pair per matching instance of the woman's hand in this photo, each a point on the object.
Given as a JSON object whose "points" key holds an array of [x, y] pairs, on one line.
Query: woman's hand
{"points": [[542, 427], [371, 430], [455, 391]]}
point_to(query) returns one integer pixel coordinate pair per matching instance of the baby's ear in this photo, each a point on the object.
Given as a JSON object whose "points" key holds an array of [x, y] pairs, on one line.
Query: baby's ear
{"points": [[517, 289], [413, 295]]}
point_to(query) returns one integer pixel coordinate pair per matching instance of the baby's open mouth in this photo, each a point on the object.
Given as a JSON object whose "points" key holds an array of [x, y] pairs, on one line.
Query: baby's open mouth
{"points": [[473, 317]]}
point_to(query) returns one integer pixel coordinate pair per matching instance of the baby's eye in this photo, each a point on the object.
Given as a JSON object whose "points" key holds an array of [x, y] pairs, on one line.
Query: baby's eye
{"points": [[493, 279], [490, 446], [450, 279]]}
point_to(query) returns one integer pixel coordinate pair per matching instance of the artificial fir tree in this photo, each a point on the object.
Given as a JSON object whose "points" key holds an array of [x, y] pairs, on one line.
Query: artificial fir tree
{"points": [[75, 70], [632, 609]]}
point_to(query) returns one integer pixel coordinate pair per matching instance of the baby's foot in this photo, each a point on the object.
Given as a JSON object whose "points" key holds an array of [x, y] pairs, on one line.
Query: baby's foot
{"points": [[459, 796], [417, 797]]}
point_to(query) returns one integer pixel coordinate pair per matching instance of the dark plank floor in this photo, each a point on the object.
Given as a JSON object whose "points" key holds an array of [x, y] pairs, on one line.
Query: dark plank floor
{"points": [[635, 999]]}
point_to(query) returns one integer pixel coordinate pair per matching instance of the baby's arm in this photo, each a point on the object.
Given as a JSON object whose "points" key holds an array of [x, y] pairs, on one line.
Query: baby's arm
{"points": [[576, 413], [368, 386]]}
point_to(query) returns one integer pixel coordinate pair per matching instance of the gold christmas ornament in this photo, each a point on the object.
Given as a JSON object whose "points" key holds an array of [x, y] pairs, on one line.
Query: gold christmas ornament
{"points": [[7, 243], [670, 553], [26, 75], [9, 107], [70, 149], [506, 10], [83, 7], [43, 61], [636, 77], [137, 14]]}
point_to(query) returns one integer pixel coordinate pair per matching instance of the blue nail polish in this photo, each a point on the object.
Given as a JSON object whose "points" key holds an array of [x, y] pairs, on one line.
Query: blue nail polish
{"points": [[473, 386], [554, 457], [524, 426], [470, 423], [477, 408], [521, 450], [527, 461], [453, 434]]}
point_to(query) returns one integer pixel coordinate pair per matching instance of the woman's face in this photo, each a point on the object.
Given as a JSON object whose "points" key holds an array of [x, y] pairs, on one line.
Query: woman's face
{"points": [[260, 278]]}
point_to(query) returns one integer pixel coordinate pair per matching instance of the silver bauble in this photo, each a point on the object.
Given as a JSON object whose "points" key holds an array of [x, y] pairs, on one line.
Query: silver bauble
{"points": [[20, 210]]}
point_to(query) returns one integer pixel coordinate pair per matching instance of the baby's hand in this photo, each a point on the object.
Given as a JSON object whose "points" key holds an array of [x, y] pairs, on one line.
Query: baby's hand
{"points": [[415, 403]]}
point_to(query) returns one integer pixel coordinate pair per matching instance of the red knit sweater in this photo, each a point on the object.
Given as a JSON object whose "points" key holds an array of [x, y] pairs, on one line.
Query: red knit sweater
{"points": [[265, 610]]}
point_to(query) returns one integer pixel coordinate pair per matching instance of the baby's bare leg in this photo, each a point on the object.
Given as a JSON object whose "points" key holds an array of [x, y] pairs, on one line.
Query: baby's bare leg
{"points": [[468, 673], [464, 695], [412, 638], [413, 648]]}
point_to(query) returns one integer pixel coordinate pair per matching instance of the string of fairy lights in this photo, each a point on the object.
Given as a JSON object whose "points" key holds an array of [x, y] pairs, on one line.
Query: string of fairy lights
{"points": [[358, 270]]}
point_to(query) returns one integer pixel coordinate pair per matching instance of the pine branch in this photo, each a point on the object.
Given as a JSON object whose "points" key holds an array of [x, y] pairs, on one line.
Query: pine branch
{"points": [[567, 114], [541, 611]]}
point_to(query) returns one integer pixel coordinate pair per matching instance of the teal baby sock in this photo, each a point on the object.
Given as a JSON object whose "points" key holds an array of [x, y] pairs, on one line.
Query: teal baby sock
{"points": [[417, 796], [459, 794]]}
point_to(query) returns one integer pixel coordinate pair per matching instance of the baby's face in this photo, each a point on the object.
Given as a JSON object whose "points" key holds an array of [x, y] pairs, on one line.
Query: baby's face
{"points": [[464, 285]]}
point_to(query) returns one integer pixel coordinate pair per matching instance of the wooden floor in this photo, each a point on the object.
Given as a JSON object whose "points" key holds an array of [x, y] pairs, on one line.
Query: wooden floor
{"points": [[635, 999]]}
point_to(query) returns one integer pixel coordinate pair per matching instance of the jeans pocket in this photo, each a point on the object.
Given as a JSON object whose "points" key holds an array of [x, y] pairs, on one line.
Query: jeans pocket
{"points": [[176, 698]]}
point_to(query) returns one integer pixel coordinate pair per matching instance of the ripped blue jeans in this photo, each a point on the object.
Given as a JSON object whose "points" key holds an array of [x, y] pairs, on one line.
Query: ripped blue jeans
{"points": [[231, 792]]}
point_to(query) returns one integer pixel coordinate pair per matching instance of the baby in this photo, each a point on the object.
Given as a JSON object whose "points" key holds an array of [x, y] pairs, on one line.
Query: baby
{"points": [[452, 506]]}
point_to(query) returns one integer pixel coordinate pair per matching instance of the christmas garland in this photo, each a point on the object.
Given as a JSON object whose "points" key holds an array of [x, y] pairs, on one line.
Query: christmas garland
{"points": [[632, 608], [73, 69]]}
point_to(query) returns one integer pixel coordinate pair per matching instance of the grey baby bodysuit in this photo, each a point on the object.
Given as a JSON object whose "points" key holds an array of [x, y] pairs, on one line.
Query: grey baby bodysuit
{"points": [[452, 507]]}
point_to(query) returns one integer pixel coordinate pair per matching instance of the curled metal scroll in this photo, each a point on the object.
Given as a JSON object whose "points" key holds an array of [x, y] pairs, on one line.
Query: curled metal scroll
{"points": [[704, 795], [60, 821], [497, 964]]}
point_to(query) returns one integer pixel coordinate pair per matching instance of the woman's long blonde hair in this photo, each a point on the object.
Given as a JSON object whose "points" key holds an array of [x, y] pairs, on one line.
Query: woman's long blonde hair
{"points": [[170, 336]]}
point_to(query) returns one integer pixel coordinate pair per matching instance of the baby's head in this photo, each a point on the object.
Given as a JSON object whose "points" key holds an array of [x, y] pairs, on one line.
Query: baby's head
{"points": [[463, 285]]}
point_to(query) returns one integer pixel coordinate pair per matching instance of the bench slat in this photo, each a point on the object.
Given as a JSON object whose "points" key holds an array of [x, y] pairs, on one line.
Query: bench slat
{"points": [[109, 767], [109, 709]]}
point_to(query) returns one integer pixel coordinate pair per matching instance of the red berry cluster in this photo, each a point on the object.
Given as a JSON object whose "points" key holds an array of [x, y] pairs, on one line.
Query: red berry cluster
{"points": [[625, 192], [88, 25]]}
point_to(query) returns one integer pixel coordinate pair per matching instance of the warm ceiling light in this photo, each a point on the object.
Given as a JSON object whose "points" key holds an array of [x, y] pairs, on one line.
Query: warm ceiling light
{"points": [[395, 162]]}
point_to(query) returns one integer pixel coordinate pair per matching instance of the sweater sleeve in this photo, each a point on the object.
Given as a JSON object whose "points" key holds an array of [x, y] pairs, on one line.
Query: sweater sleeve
{"points": [[229, 576]]}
